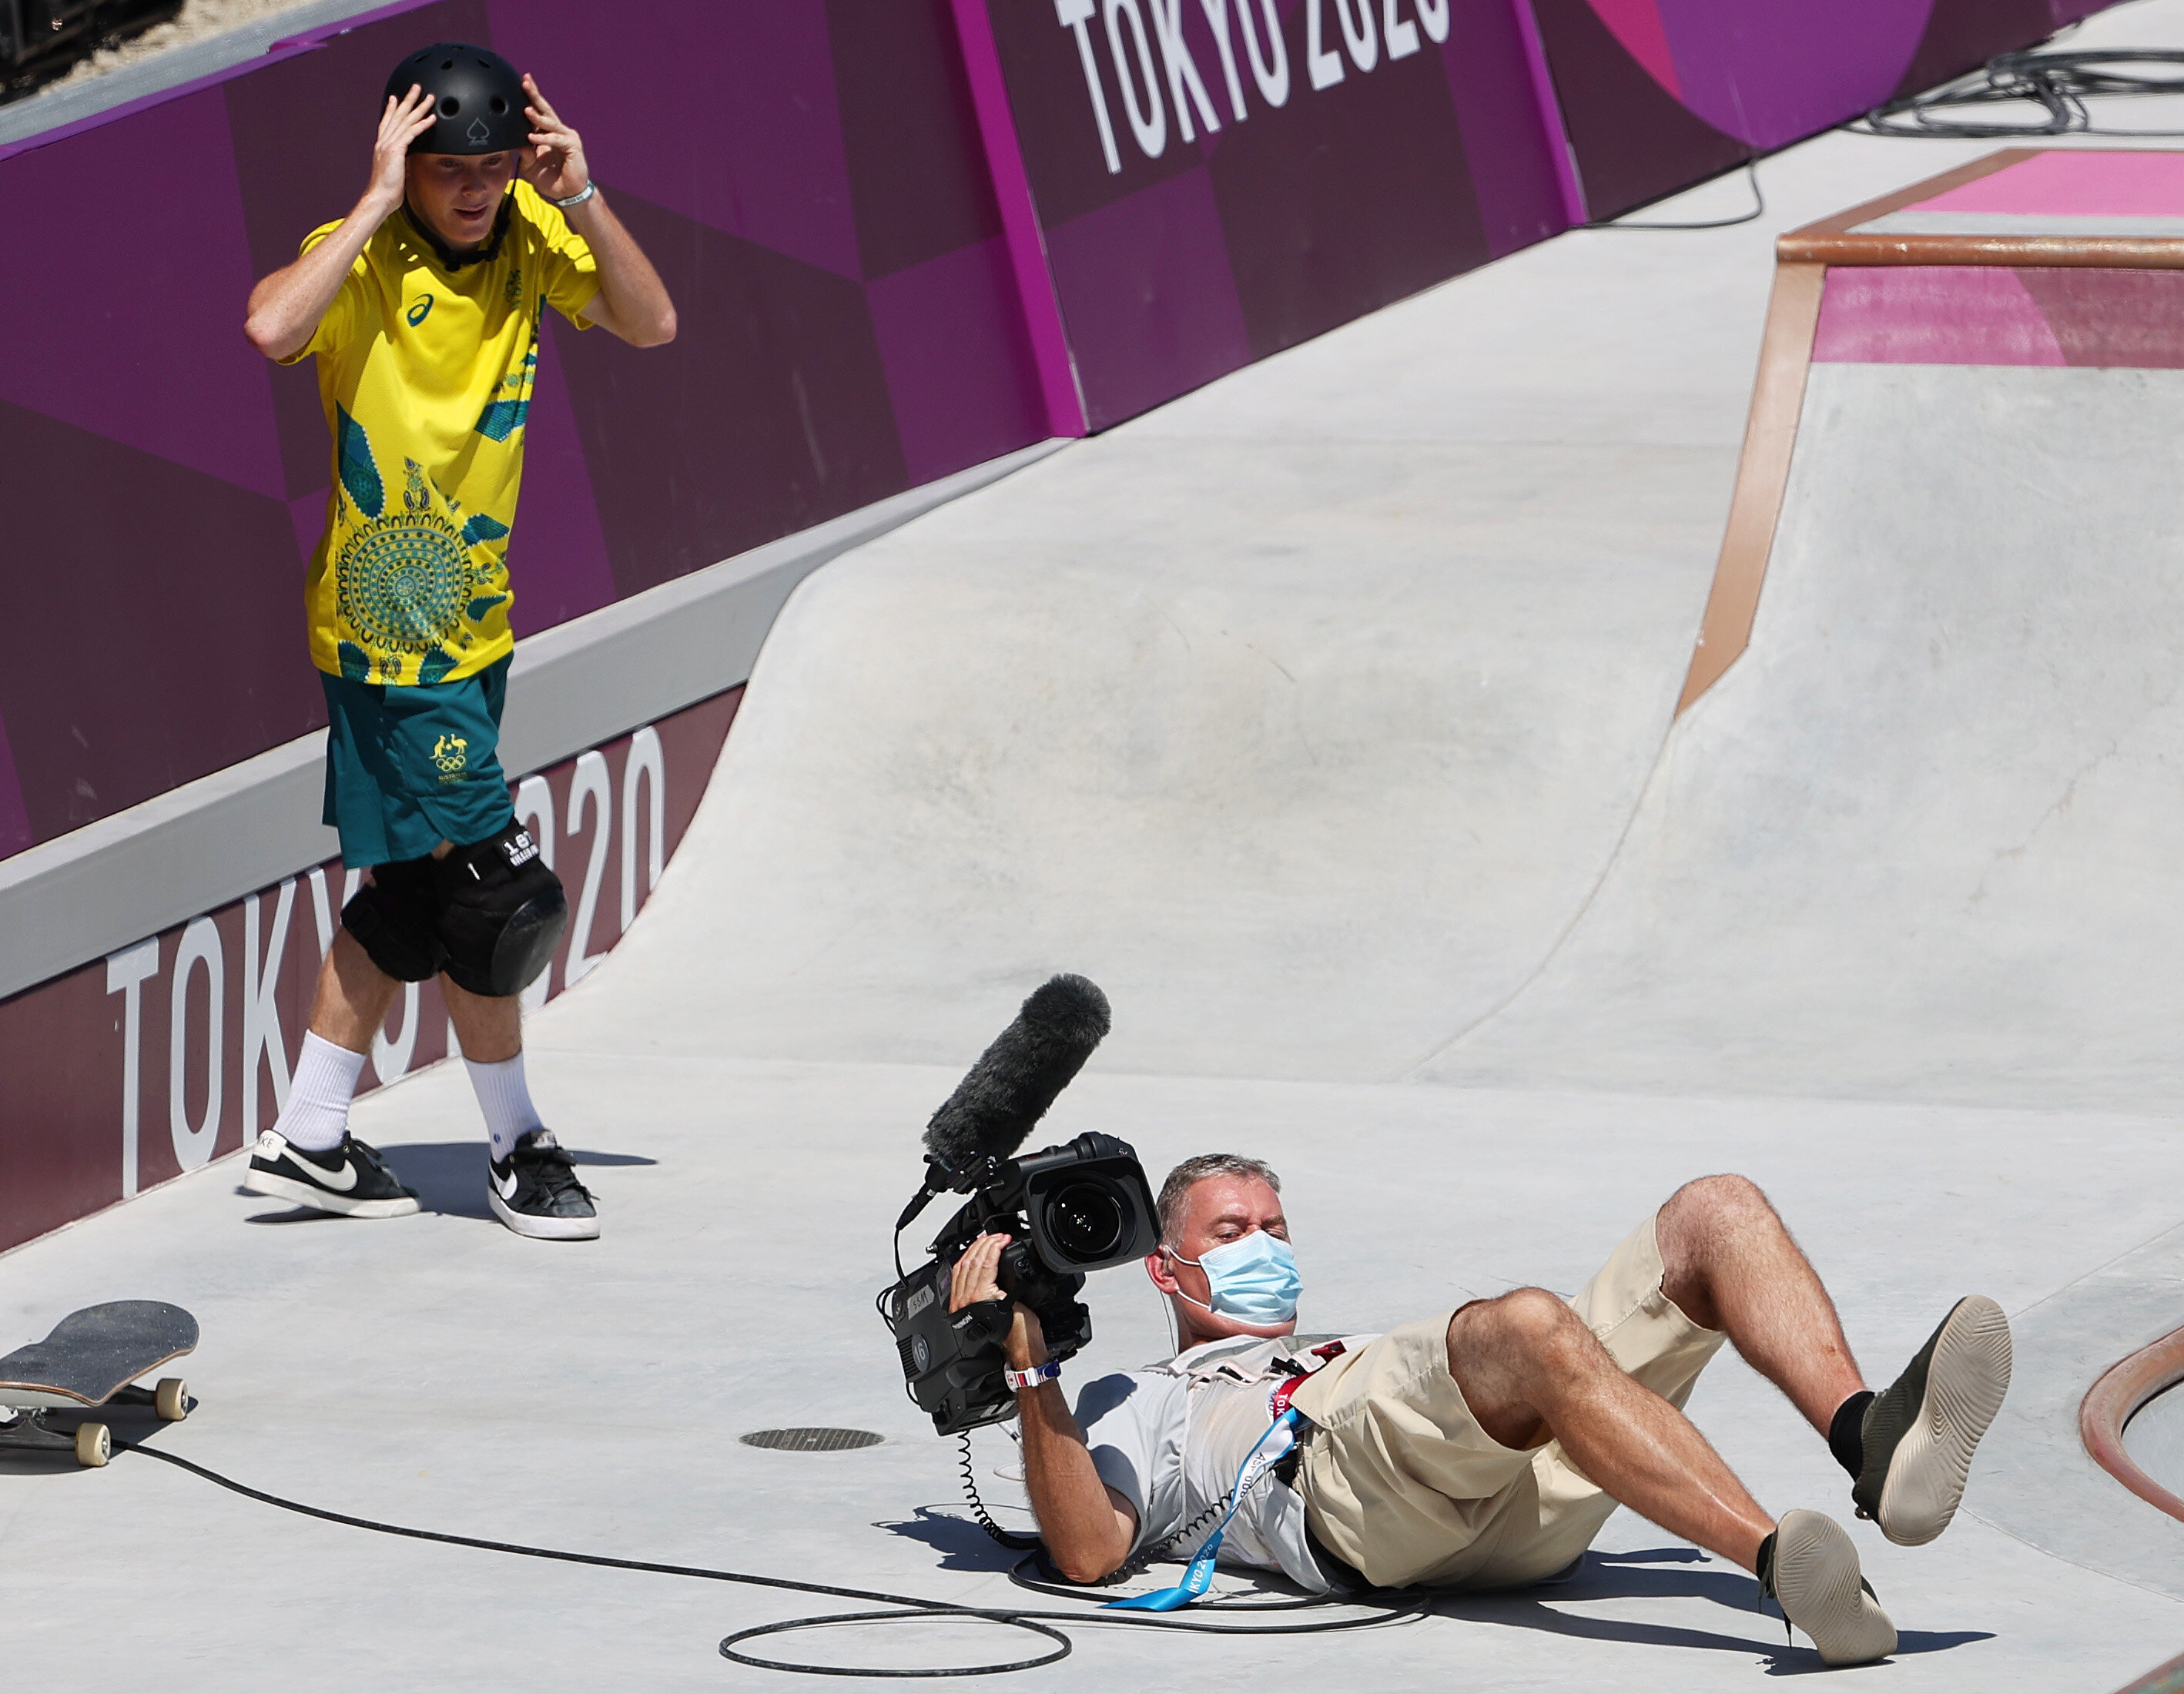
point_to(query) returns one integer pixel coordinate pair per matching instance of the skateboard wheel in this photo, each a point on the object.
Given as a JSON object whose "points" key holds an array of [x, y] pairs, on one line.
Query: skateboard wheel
{"points": [[172, 1399], [94, 1445]]}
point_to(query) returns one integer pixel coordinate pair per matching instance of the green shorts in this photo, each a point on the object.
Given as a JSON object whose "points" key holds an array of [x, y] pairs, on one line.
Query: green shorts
{"points": [[408, 768]]}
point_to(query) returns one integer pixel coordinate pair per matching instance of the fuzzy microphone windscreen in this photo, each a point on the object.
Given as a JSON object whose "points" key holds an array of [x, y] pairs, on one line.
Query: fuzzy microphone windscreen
{"points": [[1016, 1078]]}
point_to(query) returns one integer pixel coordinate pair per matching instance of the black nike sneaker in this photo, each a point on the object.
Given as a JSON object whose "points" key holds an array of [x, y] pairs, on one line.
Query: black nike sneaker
{"points": [[534, 1190], [352, 1178], [1919, 1432]]}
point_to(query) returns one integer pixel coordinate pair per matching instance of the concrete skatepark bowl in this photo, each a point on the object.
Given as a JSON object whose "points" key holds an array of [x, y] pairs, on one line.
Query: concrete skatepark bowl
{"points": [[1328, 718]]}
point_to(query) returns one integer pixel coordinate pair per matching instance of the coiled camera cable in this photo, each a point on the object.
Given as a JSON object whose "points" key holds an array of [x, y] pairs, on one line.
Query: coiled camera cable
{"points": [[2057, 85], [1386, 1608]]}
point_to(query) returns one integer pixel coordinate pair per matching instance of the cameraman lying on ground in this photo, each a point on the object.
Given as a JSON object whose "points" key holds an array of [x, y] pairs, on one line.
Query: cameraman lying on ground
{"points": [[1485, 1448]]}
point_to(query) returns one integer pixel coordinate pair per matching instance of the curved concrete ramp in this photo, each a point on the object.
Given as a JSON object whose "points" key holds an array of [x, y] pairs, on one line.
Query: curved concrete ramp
{"points": [[1306, 775], [1922, 841]]}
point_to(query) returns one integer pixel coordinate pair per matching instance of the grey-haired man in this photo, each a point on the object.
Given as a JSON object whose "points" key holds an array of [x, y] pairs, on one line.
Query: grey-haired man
{"points": [[1485, 1447]]}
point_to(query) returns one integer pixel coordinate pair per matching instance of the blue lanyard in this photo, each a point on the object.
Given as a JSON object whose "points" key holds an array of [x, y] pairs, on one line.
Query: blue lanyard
{"points": [[1199, 1577]]}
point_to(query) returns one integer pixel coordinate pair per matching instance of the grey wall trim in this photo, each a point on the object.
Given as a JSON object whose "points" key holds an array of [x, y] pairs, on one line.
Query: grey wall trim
{"points": [[69, 103], [68, 901]]}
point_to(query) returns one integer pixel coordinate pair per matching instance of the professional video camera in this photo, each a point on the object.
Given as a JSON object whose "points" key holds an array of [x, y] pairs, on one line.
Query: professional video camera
{"points": [[1072, 1209]]}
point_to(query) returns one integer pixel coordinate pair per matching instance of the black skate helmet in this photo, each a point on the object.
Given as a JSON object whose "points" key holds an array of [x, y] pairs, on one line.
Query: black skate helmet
{"points": [[481, 98]]}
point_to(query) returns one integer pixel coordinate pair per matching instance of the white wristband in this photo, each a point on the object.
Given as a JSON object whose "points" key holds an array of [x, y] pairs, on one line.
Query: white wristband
{"points": [[579, 198], [1020, 1380]]}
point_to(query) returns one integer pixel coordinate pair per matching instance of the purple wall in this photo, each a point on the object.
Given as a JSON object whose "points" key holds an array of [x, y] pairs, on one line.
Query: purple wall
{"points": [[1196, 219], [896, 252], [809, 177], [1659, 94]]}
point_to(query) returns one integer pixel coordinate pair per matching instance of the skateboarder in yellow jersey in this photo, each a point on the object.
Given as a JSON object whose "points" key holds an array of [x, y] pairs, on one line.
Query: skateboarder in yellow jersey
{"points": [[424, 307]]}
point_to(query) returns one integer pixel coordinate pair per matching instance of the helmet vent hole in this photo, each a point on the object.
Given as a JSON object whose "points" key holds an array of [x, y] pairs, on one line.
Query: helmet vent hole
{"points": [[449, 106], [447, 65], [500, 105]]}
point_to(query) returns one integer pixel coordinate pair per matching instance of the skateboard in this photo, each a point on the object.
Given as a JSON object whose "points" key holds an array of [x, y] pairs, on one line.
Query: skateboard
{"points": [[91, 1360]]}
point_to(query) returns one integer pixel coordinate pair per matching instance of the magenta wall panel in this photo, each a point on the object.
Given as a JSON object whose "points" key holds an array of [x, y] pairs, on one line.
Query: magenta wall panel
{"points": [[810, 176], [1659, 94], [1217, 180]]}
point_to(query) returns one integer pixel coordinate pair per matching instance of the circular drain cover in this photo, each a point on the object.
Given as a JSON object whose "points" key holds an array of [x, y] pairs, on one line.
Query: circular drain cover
{"points": [[812, 1440]]}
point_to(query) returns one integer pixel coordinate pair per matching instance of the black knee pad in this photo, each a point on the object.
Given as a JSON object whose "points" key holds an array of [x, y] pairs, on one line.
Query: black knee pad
{"points": [[395, 919], [501, 913]]}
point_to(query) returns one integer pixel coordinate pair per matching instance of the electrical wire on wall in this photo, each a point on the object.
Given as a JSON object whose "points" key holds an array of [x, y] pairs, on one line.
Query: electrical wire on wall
{"points": [[2057, 84], [1759, 210]]}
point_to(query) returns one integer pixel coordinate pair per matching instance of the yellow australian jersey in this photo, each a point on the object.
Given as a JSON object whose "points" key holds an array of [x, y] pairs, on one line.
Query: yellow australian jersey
{"points": [[426, 374]]}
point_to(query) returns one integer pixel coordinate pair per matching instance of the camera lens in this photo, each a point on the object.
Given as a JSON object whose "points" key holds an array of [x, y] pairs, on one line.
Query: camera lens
{"points": [[1085, 1220]]}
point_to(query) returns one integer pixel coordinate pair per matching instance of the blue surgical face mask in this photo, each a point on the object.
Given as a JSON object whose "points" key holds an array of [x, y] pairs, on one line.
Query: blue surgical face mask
{"points": [[1252, 1278]]}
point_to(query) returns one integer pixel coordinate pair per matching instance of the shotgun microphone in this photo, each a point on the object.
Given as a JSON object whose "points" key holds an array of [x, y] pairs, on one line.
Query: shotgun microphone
{"points": [[1067, 1210], [1016, 1078]]}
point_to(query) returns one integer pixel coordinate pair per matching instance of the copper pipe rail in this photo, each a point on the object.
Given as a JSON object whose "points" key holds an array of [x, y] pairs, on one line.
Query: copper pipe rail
{"points": [[2163, 1679], [2110, 1404], [2045, 252]]}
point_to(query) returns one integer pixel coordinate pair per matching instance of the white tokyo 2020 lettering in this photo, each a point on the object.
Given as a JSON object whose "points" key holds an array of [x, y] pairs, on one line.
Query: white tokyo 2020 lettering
{"points": [[1155, 75]]}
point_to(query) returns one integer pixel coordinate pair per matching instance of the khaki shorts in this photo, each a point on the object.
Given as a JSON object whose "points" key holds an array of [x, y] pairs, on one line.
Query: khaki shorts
{"points": [[1400, 1482]]}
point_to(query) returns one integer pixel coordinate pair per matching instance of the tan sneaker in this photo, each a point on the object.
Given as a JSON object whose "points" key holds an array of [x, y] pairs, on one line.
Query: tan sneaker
{"points": [[1810, 1567], [1920, 1431]]}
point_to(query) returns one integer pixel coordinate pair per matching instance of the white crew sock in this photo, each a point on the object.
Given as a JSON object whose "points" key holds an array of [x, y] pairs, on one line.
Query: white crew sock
{"points": [[316, 1116], [505, 1099]]}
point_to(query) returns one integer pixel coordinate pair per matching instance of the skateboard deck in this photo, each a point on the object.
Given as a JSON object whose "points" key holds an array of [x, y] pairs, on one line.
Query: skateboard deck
{"points": [[93, 1352], [90, 1360]]}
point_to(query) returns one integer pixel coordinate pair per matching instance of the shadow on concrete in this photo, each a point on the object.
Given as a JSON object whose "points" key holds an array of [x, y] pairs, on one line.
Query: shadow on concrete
{"points": [[448, 1176], [1643, 1555], [132, 1426], [961, 1543], [1804, 1661], [964, 1547], [1638, 1576], [294, 1214]]}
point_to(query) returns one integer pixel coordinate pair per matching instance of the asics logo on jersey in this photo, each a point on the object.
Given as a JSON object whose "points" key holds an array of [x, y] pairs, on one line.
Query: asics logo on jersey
{"points": [[419, 311]]}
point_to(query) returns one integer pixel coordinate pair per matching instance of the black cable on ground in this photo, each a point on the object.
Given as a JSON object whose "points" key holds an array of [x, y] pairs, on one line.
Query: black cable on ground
{"points": [[2058, 83], [1390, 1609]]}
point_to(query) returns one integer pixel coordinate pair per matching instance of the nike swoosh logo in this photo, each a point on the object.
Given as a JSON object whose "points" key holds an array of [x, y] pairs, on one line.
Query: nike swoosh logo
{"points": [[506, 1184], [341, 1181]]}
